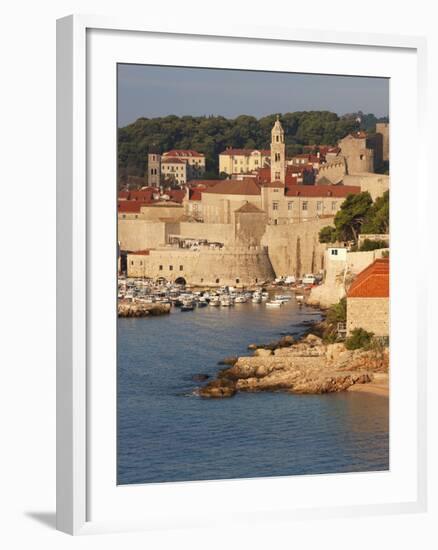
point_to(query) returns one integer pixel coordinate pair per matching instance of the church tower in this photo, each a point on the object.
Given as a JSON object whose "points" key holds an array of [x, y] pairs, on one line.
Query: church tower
{"points": [[154, 169], [278, 154]]}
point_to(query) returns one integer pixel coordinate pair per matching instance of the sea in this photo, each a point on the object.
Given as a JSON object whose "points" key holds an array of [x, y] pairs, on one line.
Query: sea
{"points": [[167, 434]]}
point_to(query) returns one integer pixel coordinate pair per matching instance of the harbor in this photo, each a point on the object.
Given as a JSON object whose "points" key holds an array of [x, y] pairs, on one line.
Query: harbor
{"points": [[164, 360], [158, 296]]}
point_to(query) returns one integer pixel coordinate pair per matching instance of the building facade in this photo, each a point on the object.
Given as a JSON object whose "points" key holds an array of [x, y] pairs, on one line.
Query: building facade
{"points": [[368, 300]]}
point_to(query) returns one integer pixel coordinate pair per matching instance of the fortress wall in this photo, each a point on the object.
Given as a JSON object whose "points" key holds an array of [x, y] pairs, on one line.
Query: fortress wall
{"points": [[295, 249], [233, 266], [140, 234], [214, 232], [375, 184], [334, 171]]}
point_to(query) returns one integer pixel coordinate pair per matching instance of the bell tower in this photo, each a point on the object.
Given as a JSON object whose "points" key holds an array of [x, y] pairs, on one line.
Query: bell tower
{"points": [[154, 169], [278, 156]]}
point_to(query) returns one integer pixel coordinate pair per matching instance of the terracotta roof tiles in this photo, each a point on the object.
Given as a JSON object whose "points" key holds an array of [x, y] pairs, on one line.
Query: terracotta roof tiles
{"points": [[372, 282]]}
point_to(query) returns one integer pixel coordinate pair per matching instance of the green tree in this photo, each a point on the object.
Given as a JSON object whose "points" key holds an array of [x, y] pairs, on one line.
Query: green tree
{"points": [[337, 313], [359, 338], [377, 218], [328, 234], [349, 219]]}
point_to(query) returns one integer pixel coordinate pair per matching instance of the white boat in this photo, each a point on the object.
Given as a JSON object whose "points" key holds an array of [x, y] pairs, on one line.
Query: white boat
{"points": [[226, 301], [274, 303], [241, 299], [299, 297], [215, 301]]}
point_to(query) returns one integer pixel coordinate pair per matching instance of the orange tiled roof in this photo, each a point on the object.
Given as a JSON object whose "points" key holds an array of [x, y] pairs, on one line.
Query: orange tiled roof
{"points": [[245, 152], [235, 187], [372, 282], [335, 191]]}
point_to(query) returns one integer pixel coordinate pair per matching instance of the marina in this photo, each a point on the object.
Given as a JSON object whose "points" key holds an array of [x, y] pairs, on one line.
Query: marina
{"points": [[179, 296]]}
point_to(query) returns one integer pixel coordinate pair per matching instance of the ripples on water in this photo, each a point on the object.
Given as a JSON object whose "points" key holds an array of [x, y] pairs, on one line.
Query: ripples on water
{"points": [[164, 434]]}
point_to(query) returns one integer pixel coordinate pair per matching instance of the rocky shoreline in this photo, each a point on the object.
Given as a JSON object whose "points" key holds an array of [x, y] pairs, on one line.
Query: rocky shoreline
{"points": [[141, 309], [304, 366]]}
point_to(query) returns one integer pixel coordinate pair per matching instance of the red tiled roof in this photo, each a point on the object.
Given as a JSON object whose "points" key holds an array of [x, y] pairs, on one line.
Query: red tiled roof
{"points": [[335, 191], [372, 282], [176, 195], [182, 153], [245, 152], [173, 160], [140, 253], [129, 206], [196, 194], [246, 186], [203, 183]]}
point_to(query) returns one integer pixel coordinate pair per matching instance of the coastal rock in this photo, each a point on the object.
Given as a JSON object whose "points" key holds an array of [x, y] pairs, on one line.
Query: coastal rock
{"points": [[140, 309], [219, 388], [313, 339], [228, 361], [262, 352]]}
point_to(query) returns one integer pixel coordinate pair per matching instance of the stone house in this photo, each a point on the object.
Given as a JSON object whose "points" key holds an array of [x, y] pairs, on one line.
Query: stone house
{"points": [[368, 299]]}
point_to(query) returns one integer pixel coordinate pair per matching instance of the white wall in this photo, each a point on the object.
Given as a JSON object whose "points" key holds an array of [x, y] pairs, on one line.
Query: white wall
{"points": [[27, 405]]}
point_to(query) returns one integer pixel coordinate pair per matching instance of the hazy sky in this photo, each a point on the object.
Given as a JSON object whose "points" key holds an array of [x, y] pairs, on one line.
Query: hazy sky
{"points": [[150, 91]]}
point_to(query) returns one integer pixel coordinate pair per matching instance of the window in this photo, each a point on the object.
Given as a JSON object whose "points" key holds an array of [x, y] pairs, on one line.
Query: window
{"points": [[305, 205], [290, 205], [141, 262], [237, 280], [161, 268], [275, 205], [361, 157], [334, 205], [217, 280], [334, 252], [132, 262], [277, 156], [319, 206], [181, 268], [277, 138], [170, 267], [277, 175]]}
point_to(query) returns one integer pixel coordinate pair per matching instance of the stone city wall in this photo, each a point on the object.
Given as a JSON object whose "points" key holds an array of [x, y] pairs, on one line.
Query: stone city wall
{"points": [[229, 266], [375, 184], [295, 249]]}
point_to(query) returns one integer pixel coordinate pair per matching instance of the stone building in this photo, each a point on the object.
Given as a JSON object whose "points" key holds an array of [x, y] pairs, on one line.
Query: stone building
{"points": [[177, 165], [368, 299], [243, 161], [278, 153], [382, 128], [359, 156]]}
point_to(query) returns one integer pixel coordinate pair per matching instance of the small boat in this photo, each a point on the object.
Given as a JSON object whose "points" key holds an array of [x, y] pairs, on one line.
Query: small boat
{"points": [[215, 301], [299, 297], [274, 303], [226, 301], [241, 299], [202, 302], [187, 306], [256, 299]]}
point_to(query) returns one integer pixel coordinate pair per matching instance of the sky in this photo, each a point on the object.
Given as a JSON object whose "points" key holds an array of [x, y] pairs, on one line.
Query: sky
{"points": [[152, 91]]}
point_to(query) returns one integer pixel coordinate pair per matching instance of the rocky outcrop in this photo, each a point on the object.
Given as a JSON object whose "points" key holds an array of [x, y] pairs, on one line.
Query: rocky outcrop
{"points": [[139, 309], [307, 366]]}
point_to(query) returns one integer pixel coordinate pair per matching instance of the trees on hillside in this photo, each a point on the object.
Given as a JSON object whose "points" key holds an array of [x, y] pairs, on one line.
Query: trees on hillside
{"points": [[212, 134]]}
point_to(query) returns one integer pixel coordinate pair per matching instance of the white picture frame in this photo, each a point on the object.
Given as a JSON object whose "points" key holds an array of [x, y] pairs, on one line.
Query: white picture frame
{"points": [[78, 223]]}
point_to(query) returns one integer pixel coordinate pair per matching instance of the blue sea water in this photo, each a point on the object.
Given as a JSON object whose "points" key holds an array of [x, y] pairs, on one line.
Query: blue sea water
{"points": [[167, 434]]}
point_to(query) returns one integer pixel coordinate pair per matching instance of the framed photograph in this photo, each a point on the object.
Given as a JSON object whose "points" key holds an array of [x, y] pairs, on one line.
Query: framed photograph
{"points": [[238, 319]]}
